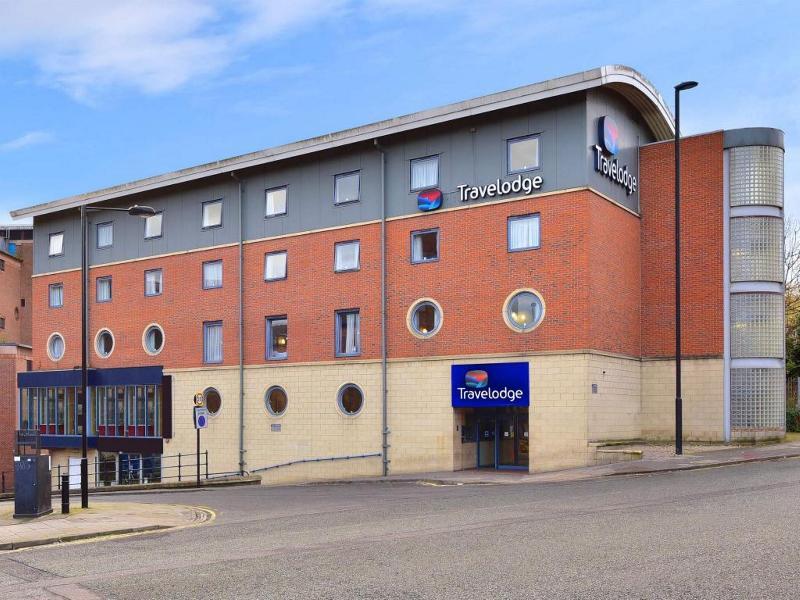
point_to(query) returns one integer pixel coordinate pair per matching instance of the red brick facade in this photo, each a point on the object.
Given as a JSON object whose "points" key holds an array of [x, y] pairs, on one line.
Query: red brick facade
{"points": [[701, 247]]}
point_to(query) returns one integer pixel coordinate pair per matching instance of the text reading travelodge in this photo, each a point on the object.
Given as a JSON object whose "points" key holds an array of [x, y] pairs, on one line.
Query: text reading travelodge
{"points": [[499, 188], [610, 168]]}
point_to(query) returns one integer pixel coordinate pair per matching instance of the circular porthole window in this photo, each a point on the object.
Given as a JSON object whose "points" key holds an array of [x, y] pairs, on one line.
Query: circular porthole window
{"points": [[350, 399], [523, 310], [104, 343], [153, 339], [55, 347], [276, 401], [424, 319], [213, 401]]}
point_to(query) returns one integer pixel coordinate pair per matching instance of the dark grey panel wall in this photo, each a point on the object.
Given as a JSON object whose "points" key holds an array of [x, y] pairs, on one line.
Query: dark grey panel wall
{"points": [[471, 151], [633, 132]]}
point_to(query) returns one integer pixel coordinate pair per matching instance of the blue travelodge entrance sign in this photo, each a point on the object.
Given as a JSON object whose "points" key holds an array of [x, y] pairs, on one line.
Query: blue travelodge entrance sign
{"points": [[490, 385]]}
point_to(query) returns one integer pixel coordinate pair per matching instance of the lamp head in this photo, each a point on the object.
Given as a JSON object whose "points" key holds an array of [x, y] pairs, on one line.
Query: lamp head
{"points": [[141, 211], [686, 85]]}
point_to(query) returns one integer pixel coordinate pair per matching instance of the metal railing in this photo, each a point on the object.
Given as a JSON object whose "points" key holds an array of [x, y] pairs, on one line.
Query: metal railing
{"points": [[313, 460]]}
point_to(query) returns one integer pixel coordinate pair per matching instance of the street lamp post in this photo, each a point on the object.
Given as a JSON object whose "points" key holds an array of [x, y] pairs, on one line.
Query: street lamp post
{"points": [[135, 210], [686, 85]]}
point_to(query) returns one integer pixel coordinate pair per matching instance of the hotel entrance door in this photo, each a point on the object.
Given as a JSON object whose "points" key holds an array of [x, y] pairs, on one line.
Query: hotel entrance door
{"points": [[502, 438]]}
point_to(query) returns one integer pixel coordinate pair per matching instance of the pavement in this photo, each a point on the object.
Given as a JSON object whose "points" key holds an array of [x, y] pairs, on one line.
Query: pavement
{"points": [[100, 519], [728, 532]]}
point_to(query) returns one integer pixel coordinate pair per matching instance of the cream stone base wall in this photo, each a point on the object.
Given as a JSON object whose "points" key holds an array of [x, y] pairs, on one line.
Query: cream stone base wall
{"points": [[702, 392], [632, 399]]}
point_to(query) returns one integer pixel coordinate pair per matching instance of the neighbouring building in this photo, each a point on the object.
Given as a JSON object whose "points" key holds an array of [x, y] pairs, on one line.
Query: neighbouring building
{"points": [[16, 264], [488, 283]]}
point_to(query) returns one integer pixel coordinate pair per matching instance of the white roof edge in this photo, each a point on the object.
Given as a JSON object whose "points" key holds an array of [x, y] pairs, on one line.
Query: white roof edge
{"points": [[629, 82]]}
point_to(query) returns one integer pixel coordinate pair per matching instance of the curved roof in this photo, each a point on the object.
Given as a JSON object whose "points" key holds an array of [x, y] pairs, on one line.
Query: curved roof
{"points": [[626, 81]]}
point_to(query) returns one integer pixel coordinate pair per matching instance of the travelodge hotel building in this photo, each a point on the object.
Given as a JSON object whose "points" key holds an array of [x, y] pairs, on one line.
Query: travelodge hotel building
{"points": [[484, 284]]}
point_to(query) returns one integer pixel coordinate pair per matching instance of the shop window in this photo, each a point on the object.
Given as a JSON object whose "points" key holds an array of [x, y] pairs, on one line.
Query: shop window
{"points": [[347, 256], [56, 246], [424, 173], [153, 339], [153, 226], [523, 154], [425, 246], [350, 399], [347, 187], [275, 400], [275, 201], [523, 310], [212, 400]]}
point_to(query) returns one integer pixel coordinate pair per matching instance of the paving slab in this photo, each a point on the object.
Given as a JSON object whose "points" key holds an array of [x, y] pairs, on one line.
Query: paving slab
{"points": [[100, 519]]}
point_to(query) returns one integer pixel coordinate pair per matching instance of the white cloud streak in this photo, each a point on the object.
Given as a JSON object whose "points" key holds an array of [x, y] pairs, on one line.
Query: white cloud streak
{"points": [[32, 138]]}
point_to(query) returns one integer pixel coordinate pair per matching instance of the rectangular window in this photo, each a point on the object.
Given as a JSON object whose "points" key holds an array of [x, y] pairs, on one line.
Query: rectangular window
{"points": [[153, 282], [104, 289], [212, 274], [2, 322], [347, 256], [105, 235], [348, 333], [277, 338], [424, 172], [212, 342], [2, 265], [276, 201], [347, 187], [523, 232], [425, 246], [56, 295], [275, 266], [152, 226], [212, 214], [56, 244], [523, 154]]}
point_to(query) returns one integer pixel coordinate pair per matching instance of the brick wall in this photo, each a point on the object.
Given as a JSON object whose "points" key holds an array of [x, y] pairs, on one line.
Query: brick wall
{"points": [[701, 247], [12, 361]]}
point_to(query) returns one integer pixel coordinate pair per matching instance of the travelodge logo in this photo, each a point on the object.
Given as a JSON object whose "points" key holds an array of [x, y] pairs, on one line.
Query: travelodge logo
{"points": [[608, 166], [477, 379], [429, 200], [608, 134]]}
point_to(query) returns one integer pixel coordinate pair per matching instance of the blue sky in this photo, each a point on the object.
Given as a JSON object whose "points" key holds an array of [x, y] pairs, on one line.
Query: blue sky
{"points": [[97, 93]]}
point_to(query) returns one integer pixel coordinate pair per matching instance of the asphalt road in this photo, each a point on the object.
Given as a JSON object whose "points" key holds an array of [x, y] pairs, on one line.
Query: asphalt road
{"points": [[718, 533]]}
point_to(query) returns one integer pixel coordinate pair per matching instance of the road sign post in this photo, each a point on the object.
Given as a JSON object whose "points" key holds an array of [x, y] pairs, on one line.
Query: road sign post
{"points": [[200, 422]]}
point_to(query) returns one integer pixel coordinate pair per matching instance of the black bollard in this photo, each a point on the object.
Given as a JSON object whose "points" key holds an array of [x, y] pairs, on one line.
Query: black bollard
{"points": [[64, 494]]}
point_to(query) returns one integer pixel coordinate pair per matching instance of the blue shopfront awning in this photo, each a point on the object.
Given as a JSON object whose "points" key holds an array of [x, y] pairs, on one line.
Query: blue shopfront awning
{"points": [[97, 377]]}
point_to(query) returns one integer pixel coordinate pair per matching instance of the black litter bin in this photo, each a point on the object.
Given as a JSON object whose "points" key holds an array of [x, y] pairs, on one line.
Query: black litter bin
{"points": [[32, 486]]}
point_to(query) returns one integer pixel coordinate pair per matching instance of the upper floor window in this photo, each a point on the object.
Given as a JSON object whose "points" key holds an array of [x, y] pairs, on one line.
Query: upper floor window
{"points": [[104, 289], [212, 342], [425, 246], [523, 154], [347, 256], [347, 187], [153, 282], [276, 201], [523, 232], [424, 172], [212, 274], [56, 244], [2, 265], [152, 226], [277, 338], [212, 214], [348, 333], [275, 266], [2, 322], [105, 235], [56, 294]]}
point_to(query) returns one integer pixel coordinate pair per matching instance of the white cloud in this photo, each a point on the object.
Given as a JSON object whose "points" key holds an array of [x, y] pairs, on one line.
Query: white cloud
{"points": [[88, 46], [32, 138]]}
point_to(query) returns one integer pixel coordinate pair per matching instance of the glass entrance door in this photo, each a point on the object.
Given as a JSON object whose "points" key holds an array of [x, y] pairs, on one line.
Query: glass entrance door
{"points": [[503, 439], [486, 424]]}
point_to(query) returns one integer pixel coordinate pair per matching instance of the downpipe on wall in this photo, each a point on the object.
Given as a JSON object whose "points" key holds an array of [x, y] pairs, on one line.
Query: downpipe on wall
{"points": [[384, 387]]}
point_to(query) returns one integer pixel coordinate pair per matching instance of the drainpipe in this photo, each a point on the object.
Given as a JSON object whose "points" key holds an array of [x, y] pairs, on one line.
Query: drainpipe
{"points": [[384, 388], [241, 324]]}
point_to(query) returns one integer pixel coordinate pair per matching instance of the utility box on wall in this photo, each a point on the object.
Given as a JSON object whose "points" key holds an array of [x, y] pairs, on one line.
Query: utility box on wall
{"points": [[32, 486]]}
